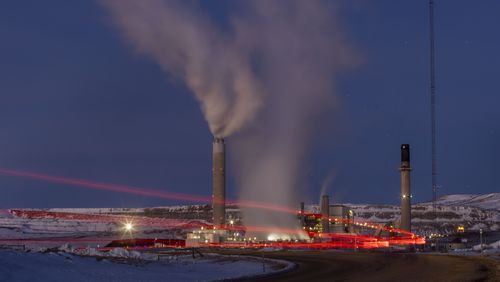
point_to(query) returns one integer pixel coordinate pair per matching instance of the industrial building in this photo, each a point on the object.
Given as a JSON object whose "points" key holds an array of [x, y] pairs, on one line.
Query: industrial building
{"points": [[205, 236], [335, 219], [339, 219]]}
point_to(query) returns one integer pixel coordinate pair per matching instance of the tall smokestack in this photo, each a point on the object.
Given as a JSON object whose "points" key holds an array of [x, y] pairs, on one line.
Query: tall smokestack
{"points": [[405, 169], [325, 213], [218, 183]]}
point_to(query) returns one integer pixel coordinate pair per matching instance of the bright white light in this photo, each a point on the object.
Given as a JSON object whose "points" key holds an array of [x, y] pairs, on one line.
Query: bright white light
{"points": [[128, 227]]}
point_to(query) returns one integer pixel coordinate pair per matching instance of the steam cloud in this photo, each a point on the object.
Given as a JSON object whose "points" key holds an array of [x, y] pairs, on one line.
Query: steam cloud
{"points": [[268, 75], [187, 45]]}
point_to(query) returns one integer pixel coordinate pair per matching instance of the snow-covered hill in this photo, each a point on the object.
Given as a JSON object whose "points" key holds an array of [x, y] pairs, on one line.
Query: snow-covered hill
{"points": [[484, 202], [472, 211]]}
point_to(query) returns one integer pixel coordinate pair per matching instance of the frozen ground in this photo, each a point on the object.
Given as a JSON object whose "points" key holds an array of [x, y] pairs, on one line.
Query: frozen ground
{"points": [[20, 266]]}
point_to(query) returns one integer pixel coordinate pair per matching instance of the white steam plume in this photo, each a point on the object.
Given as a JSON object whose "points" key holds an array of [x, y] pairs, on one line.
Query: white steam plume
{"points": [[300, 50], [188, 46], [270, 78]]}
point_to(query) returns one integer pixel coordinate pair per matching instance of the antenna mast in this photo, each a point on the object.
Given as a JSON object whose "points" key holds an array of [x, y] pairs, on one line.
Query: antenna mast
{"points": [[433, 106]]}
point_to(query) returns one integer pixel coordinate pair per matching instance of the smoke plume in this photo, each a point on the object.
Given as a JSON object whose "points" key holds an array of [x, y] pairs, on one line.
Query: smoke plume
{"points": [[268, 76], [327, 182], [186, 44]]}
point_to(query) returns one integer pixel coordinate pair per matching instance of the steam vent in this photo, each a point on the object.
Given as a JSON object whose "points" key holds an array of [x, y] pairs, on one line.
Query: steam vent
{"points": [[405, 169], [218, 183]]}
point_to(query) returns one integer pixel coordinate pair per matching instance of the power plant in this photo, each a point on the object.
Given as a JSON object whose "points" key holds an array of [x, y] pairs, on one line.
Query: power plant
{"points": [[332, 225], [218, 183], [405, 170], [335, 219]]}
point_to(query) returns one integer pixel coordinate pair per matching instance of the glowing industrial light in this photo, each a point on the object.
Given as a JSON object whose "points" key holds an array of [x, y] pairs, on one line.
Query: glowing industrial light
{"points": [[276, 237], [128, 226], [231, 222]]}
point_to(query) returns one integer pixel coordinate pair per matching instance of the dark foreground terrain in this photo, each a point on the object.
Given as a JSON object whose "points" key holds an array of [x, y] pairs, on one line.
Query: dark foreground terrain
{"points": [[344, 266]]}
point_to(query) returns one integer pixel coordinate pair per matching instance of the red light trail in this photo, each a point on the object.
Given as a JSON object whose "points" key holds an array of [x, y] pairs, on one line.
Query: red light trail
{"points": [[104, 186], [322, 241], [136, 220], [327, 240], [360, 240], [136, 190]]}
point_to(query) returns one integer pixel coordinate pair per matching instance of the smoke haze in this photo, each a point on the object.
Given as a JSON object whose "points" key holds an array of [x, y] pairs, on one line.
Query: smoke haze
{"points": [[268, 77]]}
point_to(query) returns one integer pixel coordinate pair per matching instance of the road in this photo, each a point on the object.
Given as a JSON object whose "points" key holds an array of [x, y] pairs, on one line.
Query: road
{"points": [[345, 266]]}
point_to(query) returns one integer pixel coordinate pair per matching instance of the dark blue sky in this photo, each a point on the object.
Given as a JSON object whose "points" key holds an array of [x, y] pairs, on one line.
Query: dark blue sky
{"points": [[76, 101]]}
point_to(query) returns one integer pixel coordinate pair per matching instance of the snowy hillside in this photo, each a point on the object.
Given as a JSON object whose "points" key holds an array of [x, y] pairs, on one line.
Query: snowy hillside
{"points": [[485, 202], [472, 211]]}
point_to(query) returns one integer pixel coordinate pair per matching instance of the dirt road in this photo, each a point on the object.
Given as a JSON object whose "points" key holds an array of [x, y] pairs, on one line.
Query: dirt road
{"points": [[344, 266]]}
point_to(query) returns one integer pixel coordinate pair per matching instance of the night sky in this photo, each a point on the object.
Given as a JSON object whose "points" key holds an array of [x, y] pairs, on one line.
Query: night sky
{"points": [[76, 101]]}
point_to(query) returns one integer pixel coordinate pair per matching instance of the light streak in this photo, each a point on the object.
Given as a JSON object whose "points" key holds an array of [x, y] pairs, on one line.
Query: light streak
{"points": [[104, 186], [165, 223], [136, 190], [172, 223]]}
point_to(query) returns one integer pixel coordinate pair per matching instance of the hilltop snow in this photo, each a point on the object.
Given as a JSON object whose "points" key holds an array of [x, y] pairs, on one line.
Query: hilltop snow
{"points": [[485, 202]]}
